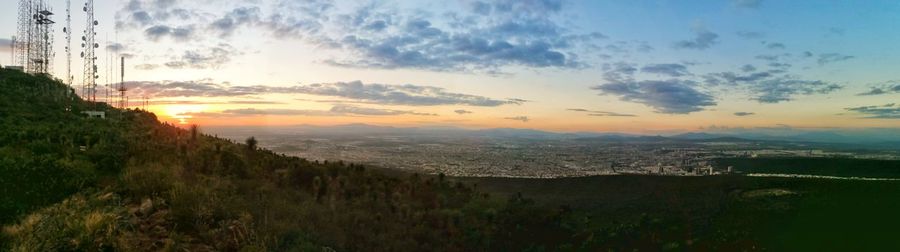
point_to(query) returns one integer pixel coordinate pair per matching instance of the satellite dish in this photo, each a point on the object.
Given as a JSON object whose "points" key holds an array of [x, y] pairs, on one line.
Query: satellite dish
{"points": [[96, 23], [64, 29], [96, 45], [85, 8], [83, 38], [82, 54]]}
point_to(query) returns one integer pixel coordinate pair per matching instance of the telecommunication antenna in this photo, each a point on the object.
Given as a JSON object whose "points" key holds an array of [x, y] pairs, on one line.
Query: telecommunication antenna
{"points": [[122, 89], [68, 31], [34, 43], [89, 46], [24, 30]]}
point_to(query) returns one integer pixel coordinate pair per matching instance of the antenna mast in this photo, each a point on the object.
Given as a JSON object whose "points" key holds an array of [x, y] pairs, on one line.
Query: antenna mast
{"points": [[68, 31], [35, 40], [88, 45], [122, 89]]}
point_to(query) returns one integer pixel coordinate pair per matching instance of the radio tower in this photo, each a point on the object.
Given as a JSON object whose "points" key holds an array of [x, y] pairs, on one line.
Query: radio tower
{"points": [[68, 31], [88, 45], [122, 89], [35, 48]]}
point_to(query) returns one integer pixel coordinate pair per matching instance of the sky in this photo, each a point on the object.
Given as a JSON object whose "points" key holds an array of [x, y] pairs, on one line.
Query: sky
{"points": [[623, 66]]}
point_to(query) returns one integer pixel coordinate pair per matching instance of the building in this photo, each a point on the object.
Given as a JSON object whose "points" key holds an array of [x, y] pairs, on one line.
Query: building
{"points": [[95, 114], [17, 68]]}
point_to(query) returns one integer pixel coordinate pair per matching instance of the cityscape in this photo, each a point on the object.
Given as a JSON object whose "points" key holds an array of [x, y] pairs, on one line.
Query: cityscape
{"points": [[477, 154]]}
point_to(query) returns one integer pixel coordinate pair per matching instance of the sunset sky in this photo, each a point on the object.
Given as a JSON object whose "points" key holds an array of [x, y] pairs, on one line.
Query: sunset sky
{"points": [[625, 66]]}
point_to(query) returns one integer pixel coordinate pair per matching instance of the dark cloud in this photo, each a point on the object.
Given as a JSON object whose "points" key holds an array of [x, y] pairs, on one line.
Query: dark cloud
{"points": [[523, 119], [410, 95], [826, 58], [752, 4], [354, 110], [748, 68], [784, 89], [751, 35], [462, 111], [772, 86], [668, 96], [337, 110], [703, 39], [744, 113], [516, 33], [887, 111], [890, 87], [619, 71], [209, 58], [671, 70], [238, 17], [601, 113], [180, 34], [775, 46], [399, 94]]}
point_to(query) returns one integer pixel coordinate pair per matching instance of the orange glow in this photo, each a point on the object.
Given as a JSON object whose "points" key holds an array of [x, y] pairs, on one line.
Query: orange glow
{"points": [[183, 113]]}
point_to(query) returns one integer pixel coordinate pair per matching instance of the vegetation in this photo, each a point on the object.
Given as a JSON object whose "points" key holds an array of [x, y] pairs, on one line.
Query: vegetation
{"points": [[130, 183]]}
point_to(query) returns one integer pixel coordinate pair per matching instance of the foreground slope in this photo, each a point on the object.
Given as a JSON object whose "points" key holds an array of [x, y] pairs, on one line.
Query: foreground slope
{"points": [[129, 182]]}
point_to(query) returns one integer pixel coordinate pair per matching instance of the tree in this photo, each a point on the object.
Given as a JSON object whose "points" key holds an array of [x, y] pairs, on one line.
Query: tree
{"points": [[195, 130], [251, 143]]}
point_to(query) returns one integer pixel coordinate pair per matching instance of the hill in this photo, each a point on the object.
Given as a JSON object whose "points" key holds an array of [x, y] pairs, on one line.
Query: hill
{"points": [[131, 183]]}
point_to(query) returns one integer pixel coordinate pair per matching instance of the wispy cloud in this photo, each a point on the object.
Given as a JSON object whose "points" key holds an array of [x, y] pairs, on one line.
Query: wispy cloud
{"points": [[887, 111], [412, 95], [462, 111], [890, 87], [523, 119], [601, 113], [703, 39], [744, 113]]}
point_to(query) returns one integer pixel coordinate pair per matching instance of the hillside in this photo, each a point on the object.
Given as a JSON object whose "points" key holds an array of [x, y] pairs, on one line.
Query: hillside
{"points": [[128, 182]]}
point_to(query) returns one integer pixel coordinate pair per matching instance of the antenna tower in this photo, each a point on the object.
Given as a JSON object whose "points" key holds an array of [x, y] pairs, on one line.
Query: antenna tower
{"points": [[35, 29], [122, 89], [68, 31], [89, 46]]}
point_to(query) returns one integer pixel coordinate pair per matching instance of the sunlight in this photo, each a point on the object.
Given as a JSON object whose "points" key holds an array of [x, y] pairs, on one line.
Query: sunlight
{"points": [[183, 112]]}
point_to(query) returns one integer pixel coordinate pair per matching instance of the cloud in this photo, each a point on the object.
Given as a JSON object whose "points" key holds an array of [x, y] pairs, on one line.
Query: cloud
{"points": [[775, 46], [282, 112], [668, 96], [336, 110], [671, 70], [751, 35], [179, 34], [210, 58], [146, 66], [354, 110], [887, 111], [748, 68], [619, 71], [399, 94], [827, 58], [462, 111], [376, 35], [784, 89], [600, 113], [410, 95], [883, 88], [744, 113], [523, 119], [752, 4], [772, 86], [703, 39]]}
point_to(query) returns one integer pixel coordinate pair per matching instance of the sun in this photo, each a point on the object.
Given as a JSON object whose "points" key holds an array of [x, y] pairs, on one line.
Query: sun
{"points": [[183, 113]]}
